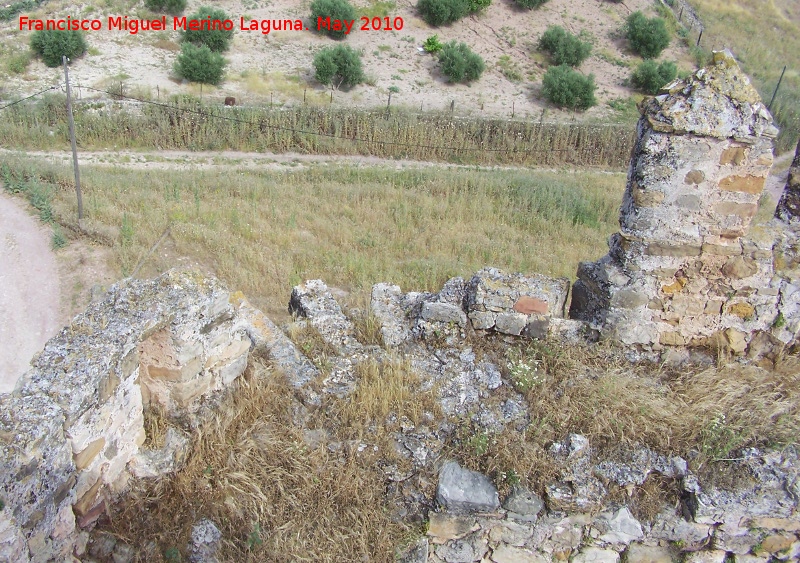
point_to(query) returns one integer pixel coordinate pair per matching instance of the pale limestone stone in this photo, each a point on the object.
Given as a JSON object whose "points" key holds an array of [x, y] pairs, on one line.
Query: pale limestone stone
{"points": [[638, 553], [510, 554], [596, 555], [511, 323], [706, 556]]}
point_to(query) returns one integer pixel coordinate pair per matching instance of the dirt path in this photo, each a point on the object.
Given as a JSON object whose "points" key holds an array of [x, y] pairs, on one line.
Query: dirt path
{"points": [[205, 160], [30, 293]]}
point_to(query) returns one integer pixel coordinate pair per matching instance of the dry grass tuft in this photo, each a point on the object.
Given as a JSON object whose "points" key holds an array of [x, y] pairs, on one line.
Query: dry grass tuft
{"points": [[155, 427], [384, 388], [703, 414], [273, 497], [312, 344]]}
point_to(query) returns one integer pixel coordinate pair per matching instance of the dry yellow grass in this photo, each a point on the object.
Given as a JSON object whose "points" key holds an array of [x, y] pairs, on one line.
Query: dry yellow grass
{"points": [[700, 413], [382, 388], [274, 497], [263, 231]]}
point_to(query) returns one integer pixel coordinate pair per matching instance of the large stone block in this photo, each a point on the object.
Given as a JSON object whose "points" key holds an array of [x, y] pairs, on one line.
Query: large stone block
{"points": [[493, 290]]}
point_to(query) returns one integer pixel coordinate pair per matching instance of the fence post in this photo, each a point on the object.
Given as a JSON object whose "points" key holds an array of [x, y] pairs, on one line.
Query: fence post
{"points": [[699, 37], [775, 93], [72, 141]]}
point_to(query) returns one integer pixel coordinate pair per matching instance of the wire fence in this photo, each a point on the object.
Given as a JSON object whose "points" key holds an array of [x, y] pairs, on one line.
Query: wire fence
{"points": [[186, 123]]}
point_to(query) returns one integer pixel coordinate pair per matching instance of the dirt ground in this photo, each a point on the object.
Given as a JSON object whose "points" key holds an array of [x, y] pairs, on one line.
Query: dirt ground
{"points": [[40, 290], [30, 292], [277, 67]]}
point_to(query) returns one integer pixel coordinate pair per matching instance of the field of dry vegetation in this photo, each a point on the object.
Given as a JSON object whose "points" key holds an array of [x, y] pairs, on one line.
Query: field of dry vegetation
{"points": [[263, 231]]}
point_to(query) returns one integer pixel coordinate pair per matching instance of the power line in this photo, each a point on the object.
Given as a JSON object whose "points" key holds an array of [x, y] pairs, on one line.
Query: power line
{"points": [[317, 133], [31, 96]]}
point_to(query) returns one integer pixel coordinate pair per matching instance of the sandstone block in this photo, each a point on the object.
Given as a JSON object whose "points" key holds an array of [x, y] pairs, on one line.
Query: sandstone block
{"points": [[742, 310], [777, 543], [675, 250], [443, 527], [740, 267], [745, 184], [671, 339], [736, 155], [529, 305], [84, 458], [647, 198], [743, 210]]}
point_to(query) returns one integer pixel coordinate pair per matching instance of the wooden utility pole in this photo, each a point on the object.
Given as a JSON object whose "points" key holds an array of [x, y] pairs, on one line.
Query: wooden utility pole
{"points": [[72, 140]]}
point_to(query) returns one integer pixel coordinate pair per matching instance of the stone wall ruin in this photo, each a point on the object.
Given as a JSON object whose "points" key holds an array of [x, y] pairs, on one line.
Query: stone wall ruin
{"points": [[686, 268], [72, 434]]}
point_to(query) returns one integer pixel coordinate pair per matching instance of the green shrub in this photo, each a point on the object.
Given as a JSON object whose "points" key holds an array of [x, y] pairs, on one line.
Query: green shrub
{"points": [[530, 4], [649, 77], [52, 44], [432, 44], [174, 7], [478, 5], [567, 88], [335, 10], [339, 66], [218, 40], [198, 63], [58, 240], [564, 48], [646, 36], [18, 62], [441, 12], [459, 63]]}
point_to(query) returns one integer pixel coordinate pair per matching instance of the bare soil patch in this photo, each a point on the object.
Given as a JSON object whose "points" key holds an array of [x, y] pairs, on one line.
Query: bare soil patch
{"points": [[277, 68]]}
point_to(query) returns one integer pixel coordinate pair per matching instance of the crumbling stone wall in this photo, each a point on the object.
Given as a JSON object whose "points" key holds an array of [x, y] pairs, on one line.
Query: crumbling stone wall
{"points": [[72, 432], [788, 209], [681, 270]]}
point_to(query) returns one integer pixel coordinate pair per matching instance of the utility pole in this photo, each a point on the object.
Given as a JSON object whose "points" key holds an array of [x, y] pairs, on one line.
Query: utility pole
{"points": [[72, 140]]}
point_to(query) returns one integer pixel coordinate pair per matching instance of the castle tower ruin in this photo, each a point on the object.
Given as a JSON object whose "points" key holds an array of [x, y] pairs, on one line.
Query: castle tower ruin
{"points": [[680, 271]]}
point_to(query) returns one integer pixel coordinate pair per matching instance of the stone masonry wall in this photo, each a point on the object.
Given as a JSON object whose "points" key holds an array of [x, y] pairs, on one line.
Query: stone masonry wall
{"points": [[72, 432], [681, 270], [788, 209]]}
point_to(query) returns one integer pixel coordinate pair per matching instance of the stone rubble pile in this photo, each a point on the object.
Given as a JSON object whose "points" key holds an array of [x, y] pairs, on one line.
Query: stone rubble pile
{"points": [[756, 524]]}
